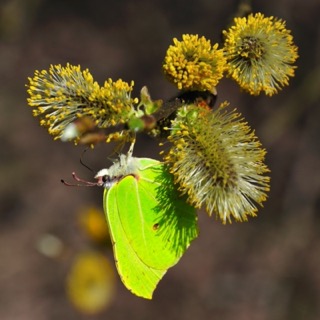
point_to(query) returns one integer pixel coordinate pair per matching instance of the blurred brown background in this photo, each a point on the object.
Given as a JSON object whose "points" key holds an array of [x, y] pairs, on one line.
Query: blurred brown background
{"points": [[267, 268]]}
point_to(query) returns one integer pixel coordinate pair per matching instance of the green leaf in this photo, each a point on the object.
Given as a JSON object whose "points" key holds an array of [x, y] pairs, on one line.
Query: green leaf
{"points": [[150, 106], [151, 225]]}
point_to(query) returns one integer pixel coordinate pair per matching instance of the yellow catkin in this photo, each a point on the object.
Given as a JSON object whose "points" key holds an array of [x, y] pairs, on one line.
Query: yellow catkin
{"points": [[62, 95], [260, 53], [218, 162], [194, 64]]}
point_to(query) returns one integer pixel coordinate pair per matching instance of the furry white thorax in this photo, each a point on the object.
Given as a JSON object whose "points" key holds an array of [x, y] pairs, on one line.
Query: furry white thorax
{"points": [[124, 166]]}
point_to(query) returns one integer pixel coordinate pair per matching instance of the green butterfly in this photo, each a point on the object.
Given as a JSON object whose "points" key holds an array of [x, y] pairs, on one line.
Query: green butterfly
{"points": [[150, 224]]}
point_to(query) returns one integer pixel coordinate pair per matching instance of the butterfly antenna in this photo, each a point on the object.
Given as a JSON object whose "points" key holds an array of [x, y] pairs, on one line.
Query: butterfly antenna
{"points": [[81, 161]]}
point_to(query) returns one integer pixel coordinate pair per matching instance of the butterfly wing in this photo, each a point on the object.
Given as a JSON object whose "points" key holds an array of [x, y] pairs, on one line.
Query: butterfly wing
{"points": [[138, 277], [151, 226]]}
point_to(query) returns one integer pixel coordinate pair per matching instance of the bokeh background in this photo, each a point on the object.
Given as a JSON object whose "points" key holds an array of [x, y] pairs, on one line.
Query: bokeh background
{"points": [[268, 268]]}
